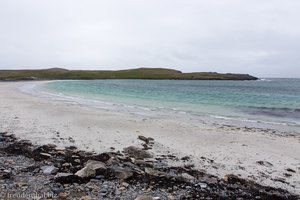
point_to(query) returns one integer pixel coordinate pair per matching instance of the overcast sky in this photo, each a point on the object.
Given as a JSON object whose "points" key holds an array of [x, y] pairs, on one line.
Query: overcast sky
{"points": [[259, 37]]}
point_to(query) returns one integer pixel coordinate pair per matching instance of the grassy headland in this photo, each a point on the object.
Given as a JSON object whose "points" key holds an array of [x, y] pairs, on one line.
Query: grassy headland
{"points": [[140, 73]]}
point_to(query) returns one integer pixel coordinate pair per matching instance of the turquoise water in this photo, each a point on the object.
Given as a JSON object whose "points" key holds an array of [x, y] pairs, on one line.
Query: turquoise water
{"points": [[272, 100]]}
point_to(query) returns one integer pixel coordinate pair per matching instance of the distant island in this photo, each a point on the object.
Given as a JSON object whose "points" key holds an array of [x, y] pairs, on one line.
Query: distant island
{"points": [[140, 73]]}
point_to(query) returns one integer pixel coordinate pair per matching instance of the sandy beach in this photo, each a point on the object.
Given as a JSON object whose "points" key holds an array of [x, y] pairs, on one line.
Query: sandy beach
{"points": [[263, 156]]}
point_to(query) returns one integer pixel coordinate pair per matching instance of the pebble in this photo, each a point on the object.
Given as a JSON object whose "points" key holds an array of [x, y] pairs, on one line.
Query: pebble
{"points": [[125, 184], [46, 155], [57, 190], [144, 197], [86, 198], [187, 176], [99, 177], [203, 185], [49, 169], [103, 191], [62, 195], [171, 197]]}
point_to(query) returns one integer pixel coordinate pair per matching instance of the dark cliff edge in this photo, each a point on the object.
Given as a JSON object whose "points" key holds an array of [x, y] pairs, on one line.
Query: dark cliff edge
{"points": [[140, 73]]}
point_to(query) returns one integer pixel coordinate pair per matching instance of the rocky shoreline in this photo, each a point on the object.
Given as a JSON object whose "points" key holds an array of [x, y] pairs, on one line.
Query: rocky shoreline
{"points": [[30, 171]]}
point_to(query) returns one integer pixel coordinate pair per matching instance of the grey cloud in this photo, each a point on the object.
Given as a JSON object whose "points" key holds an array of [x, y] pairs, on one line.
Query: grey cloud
{"points": [[259, 37]]}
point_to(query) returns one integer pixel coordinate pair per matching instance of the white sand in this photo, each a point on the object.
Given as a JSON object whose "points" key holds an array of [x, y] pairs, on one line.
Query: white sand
{"points": [[233, 150]]}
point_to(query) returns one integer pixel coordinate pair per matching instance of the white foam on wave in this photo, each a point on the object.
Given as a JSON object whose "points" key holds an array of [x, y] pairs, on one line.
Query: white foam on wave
{"points": [[263, 79], [220, 117]]}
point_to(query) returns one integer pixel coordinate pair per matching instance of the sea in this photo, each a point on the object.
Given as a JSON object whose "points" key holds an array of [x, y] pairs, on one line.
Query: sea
{"points": [[264, 103]]}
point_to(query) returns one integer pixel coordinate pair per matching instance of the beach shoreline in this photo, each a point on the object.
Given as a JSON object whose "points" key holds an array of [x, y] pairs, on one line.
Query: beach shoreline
{"points": [[234, 150]]}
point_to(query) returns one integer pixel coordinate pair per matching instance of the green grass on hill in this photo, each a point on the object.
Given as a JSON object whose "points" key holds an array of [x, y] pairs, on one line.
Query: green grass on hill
{"points": [[140, 73]]}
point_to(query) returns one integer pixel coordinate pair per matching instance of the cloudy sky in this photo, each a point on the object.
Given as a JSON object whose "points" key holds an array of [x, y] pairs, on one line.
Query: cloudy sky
{"points": [[259, 37]]}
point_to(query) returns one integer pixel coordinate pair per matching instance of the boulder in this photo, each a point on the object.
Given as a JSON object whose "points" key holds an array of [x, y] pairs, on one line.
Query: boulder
{"points": [[90, 169]]}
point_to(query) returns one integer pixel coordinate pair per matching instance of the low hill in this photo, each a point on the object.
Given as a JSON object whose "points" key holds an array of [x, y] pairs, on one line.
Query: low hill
{"points": [[140, 73]]}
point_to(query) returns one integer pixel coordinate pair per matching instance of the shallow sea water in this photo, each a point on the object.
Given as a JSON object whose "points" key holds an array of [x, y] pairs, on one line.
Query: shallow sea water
{"points": [[264, 102]]}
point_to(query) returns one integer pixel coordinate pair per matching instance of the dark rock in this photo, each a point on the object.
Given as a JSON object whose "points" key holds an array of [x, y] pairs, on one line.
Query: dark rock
{"points": [[189, 166], [19, 148], [185, 158], [42, 152], [282, 180], [230, 178], [103, 157], [56, 189], [71, 140], [287, 175], [265, 163], [71, 148], [29, 168], [5, 174], [207, 159], [143, 138], [67, 178], [146, 147], [290, 170], [100, 177]]}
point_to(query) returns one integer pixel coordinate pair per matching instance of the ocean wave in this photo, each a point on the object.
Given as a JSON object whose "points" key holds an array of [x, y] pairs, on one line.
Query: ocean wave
{"points": [[276, 108], [258, 121], [263, 79], [273, 111]]}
